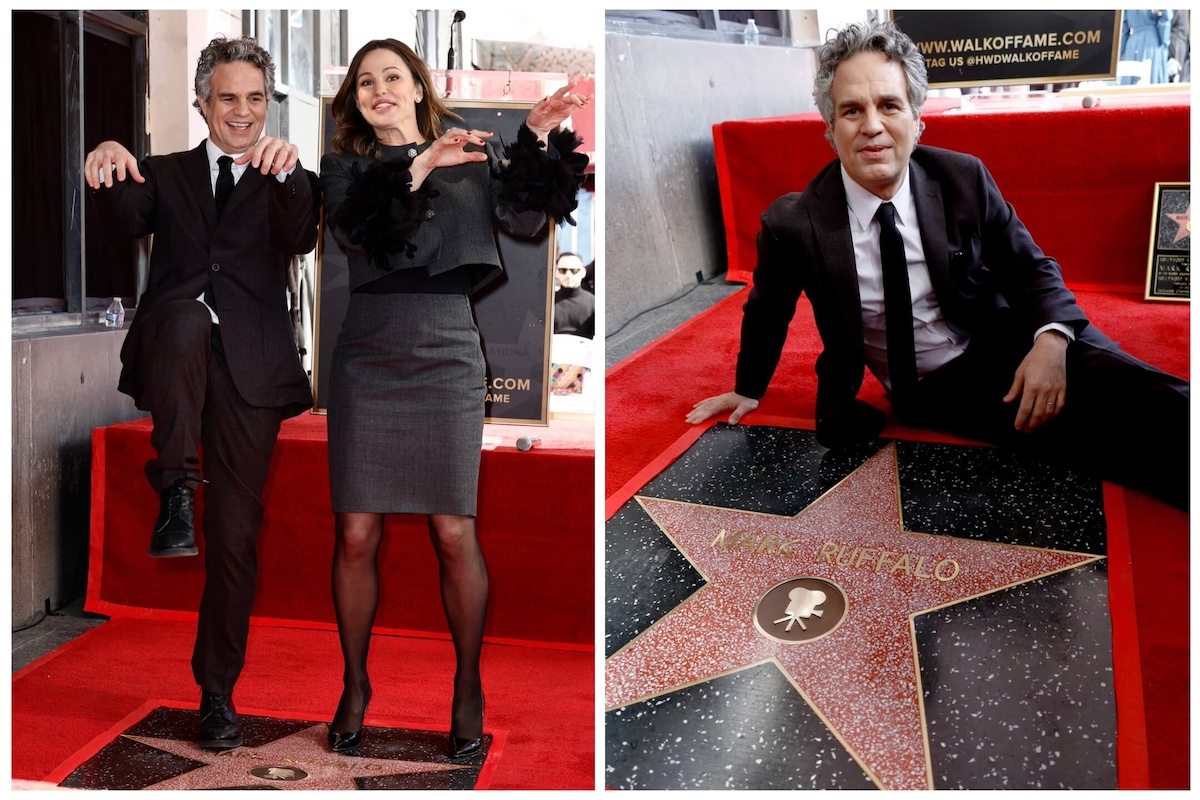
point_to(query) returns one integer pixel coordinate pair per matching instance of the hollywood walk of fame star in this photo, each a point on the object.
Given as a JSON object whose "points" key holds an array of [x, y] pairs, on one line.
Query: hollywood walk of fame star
{"points": [[302, 752], [863, 679], [1184, 221]]}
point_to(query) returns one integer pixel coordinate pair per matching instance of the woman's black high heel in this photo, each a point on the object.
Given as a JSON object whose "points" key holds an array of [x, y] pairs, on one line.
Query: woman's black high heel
{"points": [[347, 741], [463, 748]]}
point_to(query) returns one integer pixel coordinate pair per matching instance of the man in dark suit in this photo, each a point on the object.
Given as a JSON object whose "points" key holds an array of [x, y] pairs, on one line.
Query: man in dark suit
{"points": [[210, 353], [574, 306], [988, 338]]}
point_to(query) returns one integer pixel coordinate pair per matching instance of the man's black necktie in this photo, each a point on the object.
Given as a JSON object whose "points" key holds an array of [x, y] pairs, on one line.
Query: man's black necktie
{"points": [[224, 183], [221, 193], [897, 306]]}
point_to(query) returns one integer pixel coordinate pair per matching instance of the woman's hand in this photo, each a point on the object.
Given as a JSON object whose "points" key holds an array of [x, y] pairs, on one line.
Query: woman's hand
{"points": [[550, 111], [447, 151]]}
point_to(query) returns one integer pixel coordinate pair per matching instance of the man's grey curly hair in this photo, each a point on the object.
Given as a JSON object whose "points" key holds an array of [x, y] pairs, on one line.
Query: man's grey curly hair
{"points": [[224, 51], [869, 37]]}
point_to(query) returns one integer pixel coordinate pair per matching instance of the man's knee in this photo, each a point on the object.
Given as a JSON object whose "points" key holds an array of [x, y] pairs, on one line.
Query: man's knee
{"points": [[181, 326]]}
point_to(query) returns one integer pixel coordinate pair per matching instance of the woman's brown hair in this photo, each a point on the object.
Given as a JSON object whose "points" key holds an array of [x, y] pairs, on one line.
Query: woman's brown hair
{"points": [[353, 134]]}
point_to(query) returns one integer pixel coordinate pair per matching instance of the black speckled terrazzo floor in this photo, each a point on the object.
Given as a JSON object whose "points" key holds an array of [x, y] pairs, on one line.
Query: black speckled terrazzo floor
{"points": [[159, 752], [1013, 678]]}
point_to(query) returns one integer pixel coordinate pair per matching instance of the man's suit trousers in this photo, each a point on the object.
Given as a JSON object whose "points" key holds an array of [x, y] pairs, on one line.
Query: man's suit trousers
{"points": [[1116, 421], [197, 410]]}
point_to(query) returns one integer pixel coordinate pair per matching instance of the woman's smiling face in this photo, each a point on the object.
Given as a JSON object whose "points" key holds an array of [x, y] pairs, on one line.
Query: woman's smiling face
{"points": [[387, 92]]}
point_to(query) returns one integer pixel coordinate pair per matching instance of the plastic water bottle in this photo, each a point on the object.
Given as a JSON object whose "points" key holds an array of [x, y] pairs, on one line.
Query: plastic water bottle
{"points": [[114, 317], [750, 34]]}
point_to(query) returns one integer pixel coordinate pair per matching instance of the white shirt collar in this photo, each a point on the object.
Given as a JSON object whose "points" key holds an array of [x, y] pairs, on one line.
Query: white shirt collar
{"points": [[864, 205], [215, 152]]}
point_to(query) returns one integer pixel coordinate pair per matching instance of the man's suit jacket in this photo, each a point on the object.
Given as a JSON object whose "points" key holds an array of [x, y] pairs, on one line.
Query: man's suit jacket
{"points": [[243, 258], [987, 272]]}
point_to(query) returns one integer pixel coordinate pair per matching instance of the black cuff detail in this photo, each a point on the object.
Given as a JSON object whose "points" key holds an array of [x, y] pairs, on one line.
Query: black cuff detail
{"points": [[381, 214], [534, 180]]}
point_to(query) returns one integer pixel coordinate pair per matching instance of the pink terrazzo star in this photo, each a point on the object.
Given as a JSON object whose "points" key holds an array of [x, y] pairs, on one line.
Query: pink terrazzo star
{"points": [[1184, 221], [299, 761], [862, 679]]}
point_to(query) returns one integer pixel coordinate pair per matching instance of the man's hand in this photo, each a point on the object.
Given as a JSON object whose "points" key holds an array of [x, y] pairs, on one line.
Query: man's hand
{"points": [[1040, 382], [730, 401], [271, 156], [109, 158]]}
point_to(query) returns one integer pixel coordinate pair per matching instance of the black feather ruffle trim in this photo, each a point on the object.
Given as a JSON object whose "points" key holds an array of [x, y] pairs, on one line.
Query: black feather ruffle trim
{"points": [[535, 181], [380, 214]]}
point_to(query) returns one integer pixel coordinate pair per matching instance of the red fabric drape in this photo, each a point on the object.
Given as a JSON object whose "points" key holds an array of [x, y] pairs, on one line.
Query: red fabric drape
{"points": [[1081, 180], [536, 527]]}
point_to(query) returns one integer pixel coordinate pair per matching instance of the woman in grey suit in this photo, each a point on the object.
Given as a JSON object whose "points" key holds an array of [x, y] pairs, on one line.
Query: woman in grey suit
{"points": [[413, 203]]}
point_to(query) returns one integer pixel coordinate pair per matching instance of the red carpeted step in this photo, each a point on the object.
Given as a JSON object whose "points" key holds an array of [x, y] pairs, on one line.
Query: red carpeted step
{"points": [[536, 527]]}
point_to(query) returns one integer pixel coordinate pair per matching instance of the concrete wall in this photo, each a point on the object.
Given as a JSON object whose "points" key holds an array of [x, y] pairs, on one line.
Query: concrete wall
{"points": [[661, 203], [64, 384]]}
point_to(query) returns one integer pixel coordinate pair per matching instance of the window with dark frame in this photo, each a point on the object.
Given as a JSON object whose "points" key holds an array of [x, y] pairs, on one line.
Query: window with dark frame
{"points": [[78, 78]]}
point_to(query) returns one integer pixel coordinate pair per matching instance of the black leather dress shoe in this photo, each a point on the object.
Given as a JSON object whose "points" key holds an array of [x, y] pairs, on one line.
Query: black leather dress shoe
{"points": [[174, 529], [219, 729]]}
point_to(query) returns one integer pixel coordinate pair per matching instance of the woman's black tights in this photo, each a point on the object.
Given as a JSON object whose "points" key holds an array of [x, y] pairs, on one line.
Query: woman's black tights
{"points": [[464, 589]]}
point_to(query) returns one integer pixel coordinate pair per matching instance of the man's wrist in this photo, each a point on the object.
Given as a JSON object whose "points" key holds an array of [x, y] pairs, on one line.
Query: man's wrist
{"points": [[1065, 332]]}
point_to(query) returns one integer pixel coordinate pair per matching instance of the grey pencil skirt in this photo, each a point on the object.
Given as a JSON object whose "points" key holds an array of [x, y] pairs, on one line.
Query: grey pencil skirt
{"points": [[406, 405]]}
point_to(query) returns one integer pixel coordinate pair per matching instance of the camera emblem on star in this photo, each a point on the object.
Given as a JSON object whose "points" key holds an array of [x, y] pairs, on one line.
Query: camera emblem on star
{"points": [[800, 610]]}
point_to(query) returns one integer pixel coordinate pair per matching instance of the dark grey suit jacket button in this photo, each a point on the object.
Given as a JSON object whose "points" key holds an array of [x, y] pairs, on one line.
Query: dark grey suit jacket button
{"points": [[429, 214], [216, 267], [412, 152]]}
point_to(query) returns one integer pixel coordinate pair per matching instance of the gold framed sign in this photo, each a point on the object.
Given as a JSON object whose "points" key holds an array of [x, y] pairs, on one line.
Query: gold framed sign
{"points": [[1000, 48], [1169, 274]]}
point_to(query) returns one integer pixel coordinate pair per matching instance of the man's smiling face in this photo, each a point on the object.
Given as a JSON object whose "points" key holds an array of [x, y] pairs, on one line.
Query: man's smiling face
{"points": [[237, 110]]}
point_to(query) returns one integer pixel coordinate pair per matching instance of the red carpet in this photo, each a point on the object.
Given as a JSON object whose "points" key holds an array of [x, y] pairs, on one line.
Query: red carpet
{"points": [[542, 700], [648, 394]]}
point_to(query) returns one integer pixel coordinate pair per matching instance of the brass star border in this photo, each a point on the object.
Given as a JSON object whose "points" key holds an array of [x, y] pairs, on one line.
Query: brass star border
{"points": [[862, 680]]}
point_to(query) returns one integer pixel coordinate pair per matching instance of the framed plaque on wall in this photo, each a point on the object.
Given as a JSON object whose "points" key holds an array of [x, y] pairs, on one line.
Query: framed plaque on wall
{"points": [[1168, 276], [512, 312]]}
